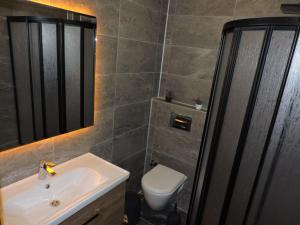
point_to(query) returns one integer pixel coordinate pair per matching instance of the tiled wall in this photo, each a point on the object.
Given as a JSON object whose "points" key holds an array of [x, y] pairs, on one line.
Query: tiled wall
{"points": [[193, 33], [129, 43]]}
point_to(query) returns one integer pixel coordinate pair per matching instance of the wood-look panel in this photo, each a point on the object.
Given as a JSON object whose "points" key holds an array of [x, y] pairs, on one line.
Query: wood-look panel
{"points": [[20, 56], [36, 79], [88, 77], [243, 76], [50, 79], [53, 63], [277, 197], [224, 56], [272, 76], [107, 210], [72, 54], [219, 88]]}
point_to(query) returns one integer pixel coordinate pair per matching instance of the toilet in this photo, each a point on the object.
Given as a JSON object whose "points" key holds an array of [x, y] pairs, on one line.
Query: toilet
{"points": [[160, 184]]}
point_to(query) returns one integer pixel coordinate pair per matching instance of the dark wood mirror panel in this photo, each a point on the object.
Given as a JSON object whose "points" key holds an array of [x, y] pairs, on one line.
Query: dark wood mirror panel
{"points": [[47, 72]]}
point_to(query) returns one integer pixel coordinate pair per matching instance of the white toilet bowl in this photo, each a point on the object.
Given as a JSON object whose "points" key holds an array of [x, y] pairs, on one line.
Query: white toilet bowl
{"points": [[160, 184]]}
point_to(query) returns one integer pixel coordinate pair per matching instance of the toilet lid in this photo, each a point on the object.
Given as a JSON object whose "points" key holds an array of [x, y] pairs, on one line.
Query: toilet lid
{"points": [[163, 180]]}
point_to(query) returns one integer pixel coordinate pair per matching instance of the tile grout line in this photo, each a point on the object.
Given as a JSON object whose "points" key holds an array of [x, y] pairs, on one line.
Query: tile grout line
{"points": [[132, 130], [234, 10], [148, 134], [163, 52], [133, 103], [142, 41], [132, 155], [202, 16], [130, 39], [191, 47], [189, 77], [115, 91]]}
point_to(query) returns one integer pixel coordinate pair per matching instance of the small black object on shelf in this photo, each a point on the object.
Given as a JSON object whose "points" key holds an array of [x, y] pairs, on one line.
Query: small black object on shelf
{"points": [[169, 96]]}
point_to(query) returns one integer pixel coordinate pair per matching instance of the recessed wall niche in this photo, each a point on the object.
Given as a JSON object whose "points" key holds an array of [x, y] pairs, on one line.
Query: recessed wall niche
{"points": [[51, 58]]}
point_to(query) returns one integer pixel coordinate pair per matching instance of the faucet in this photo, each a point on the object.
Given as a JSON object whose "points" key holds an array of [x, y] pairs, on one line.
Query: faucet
{"points": [[46, 169]]}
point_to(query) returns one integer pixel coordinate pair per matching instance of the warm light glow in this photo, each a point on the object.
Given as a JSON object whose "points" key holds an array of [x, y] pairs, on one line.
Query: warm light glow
{"points": [[75, 6], [35, 145]]}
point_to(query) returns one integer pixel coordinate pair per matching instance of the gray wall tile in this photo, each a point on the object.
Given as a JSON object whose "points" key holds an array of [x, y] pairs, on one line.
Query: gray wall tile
{"points": [[156, 80], [251, 8], [178, 146], [134, 164], [108, 16], [135, 56], [106, 52], [139, 23], [206, 7], [134, 182], [131, 116], [129, 143], [197, 63], [131, 88], [162, 90], [201, 32], [186, 90], [151, 4], [103, 150], [162, 27], [172, 7], [104, 91], [159, 53], [69, 146]]}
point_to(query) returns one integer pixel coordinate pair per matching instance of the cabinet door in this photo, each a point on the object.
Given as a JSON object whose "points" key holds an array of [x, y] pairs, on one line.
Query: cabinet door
{"points": [[270, 84], [72, 59], [22, 80], [277, 197], [50, 79], [35, 66], [226, 144], [107, 210]]}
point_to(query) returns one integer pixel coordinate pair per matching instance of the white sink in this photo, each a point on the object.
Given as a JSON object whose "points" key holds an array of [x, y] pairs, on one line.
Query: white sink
{"points": [[77, 183]]}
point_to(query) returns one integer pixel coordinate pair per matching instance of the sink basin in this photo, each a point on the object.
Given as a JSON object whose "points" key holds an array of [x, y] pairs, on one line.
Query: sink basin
{"points": [[77, 183]]}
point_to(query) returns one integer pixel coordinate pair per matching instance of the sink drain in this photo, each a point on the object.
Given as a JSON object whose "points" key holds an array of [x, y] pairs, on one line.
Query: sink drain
{"points": [[55, 203]]}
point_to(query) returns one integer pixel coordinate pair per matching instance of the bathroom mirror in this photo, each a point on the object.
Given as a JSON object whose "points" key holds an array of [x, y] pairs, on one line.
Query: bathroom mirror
{"points": [[47, 62]]}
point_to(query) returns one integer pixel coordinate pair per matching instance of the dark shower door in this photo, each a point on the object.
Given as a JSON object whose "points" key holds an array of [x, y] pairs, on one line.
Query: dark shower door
{"points": [[249, 169]]}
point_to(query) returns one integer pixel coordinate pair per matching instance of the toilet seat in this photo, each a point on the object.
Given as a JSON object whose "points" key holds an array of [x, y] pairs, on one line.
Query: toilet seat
{"points": [[162, 180]]}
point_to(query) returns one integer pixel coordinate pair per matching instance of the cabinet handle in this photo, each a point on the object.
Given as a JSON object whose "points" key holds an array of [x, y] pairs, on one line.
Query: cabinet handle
{"points": [[97, 213]]}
